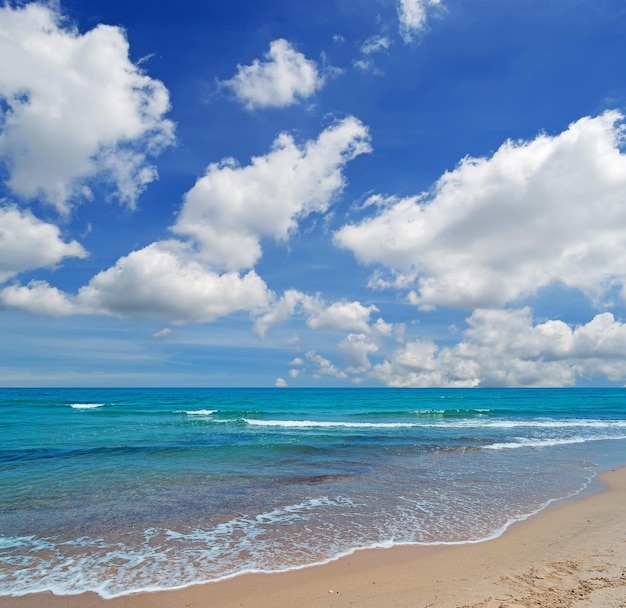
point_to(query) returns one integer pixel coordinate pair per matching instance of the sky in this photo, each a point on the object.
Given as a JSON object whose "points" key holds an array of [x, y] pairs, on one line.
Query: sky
{"points": [[376, 193]]}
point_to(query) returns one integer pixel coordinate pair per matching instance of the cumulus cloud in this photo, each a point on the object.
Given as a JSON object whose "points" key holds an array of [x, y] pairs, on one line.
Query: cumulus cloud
{"points": [[500, 228], [355, 349], [27, 243], [279, 311], [280, 383], [342, 315], [364, 338], [224, 216], [283, 79], [75, 108], [507, 348], [166, 280], [413, 15], [232, 207], [38, 298], [324, 367]]}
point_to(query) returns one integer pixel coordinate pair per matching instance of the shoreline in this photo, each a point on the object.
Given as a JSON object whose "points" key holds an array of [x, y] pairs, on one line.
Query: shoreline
{"points": [[572, 552]]}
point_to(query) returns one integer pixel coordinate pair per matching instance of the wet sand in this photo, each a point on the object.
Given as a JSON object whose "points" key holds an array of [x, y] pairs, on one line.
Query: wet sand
{"points": [[569, 556]]}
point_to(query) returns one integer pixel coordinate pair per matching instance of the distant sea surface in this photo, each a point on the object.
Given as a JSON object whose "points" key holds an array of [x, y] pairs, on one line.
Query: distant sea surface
{"points": [[117, 491]]}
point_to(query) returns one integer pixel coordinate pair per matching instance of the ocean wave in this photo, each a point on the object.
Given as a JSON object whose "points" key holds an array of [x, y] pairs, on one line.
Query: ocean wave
{"points": [[329, 424], [443, 423], [550, 423], [86, 406], [198, 412], [456, 412], [524, 442]]}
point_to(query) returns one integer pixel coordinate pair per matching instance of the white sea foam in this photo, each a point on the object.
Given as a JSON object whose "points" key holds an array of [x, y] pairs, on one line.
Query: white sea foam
{"points": [[548, 423], [330, 424], [116, 569], [467, 423], [86, 406], [524, 442], [251, 525], [430, 412], [199, 412], [553, 423]]}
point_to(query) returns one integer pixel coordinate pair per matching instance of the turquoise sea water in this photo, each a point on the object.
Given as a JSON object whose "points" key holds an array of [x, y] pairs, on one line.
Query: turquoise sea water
{"points": [[120, 490]]}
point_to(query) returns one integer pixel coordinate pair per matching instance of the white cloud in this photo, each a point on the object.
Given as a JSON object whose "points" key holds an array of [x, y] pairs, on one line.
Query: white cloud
{"points": [[363, 65], [413, 15], [166, 332], [338, 316], [498, 229], [37, 298], [381, 328], [324, 366], [231, 207], [27, 243], [507, 348], [225, 215], [283, 79], [166, 280], [355, 349], [77, 108], [341, 316], [279, 311], [280, 383], [375, 44], [552, 348]]}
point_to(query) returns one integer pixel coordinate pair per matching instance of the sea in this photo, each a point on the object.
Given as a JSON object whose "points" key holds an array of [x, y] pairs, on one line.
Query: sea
{"points": [[117, 491]]}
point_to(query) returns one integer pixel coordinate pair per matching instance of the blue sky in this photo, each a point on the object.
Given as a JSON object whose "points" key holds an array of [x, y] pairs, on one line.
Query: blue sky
{"points": [[348, 193]]}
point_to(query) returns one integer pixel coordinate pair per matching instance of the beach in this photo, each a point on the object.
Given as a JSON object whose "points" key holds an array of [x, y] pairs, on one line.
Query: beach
{"points": [[254, 497], [569, 555]]}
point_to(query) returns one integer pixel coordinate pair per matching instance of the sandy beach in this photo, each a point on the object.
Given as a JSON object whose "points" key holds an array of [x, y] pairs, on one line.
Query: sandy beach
{"points": [[570, 555]]}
